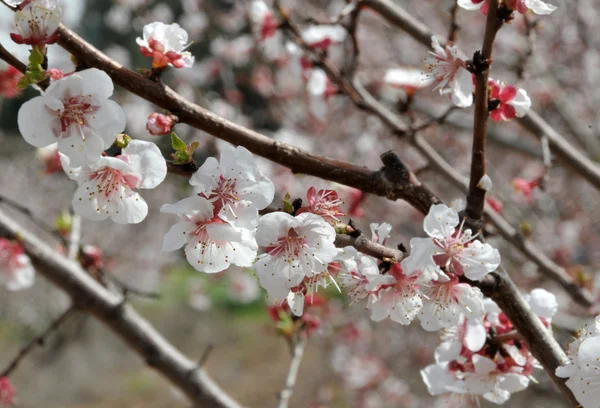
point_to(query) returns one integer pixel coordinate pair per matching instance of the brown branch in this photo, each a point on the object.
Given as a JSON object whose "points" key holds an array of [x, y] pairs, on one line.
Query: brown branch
{"points": [[368, 247], [453, 24], [38, 340], [11, 59], [396, 15], [91, 297], [476, 195]]}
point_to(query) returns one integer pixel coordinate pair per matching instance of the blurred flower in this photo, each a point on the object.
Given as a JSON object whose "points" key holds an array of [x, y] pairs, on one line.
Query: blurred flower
{"points": [[323, 36], [406, 80], [264, 23], [510, 101], [166, 45], [9, 78], [91, 258], [106, 188], [50, 157], [448, 68], [7, 392], [75, 112], [198, 299], [525, 188], [319, 89], [37, 22], [243, 288], [16, 271], [522, 6], [159, 124]]}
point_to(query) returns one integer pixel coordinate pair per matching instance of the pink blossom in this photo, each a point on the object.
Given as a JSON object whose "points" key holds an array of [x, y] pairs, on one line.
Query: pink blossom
{"points": [[7, 392], [525, 187], [50, 157], [37, 22], [325, 203], [9, 78], [513, 102], [263, 18], [159, 124], [16, 271]]}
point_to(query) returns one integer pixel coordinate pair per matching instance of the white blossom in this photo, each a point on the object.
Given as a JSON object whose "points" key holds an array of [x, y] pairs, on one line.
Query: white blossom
{"points": [[166, 44], [295, 248], [16, 271], [37, 22], [106, 188], [211, 244], [75, 112]]}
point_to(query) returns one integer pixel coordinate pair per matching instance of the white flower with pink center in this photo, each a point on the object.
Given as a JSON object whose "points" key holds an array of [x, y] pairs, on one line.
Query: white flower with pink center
{"points": [[211, 244], [165, 44], [106, 188], [446, 300], [447, 68], [234, 178], [37, 22], [75, 112], [400, 300], [295, 248], [511, 102], [359, 274], [16, 271], [323, 36], [454, 250], [263, 19], [319, 89]]}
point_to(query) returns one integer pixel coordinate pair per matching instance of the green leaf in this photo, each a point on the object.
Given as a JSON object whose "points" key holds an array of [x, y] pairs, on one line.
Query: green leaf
{"points": [[194, 146], [36, 57], [177, 143], [287, 204]]}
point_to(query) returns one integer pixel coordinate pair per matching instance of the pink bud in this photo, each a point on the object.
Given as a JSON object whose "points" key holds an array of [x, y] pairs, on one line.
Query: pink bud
{"points": [[55, 74], [9, 78], [159, 124], [7, 392]]}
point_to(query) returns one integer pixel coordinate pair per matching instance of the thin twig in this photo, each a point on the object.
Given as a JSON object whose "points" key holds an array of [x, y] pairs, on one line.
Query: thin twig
{"points": [[453, 24], [75, 237], [290, 382], [38, 340], [476, 196]]}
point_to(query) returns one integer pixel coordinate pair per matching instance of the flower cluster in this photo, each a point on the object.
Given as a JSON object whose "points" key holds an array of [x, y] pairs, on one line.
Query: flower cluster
{"points": [[486, 357], [218, 224], [583, 367]]}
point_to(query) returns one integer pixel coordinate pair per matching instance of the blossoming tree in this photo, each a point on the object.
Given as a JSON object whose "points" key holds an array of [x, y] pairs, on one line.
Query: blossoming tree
{"points": [[299, 241]]}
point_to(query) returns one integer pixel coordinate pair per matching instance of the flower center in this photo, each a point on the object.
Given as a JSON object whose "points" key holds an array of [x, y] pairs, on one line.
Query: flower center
{"points": [[74, 112], [110, 180], [290, 245]]}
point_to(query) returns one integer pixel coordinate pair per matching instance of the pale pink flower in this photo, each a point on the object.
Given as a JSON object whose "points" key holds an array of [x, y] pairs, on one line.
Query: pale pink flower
{"points": [[75, 112], [165, 44], [323, 36], [513, 102], [9, 78], [263, 19], [8, 392], [159, 124], [16, 271], [325, 203], [448, 68], [37, 22], [106, 188]]}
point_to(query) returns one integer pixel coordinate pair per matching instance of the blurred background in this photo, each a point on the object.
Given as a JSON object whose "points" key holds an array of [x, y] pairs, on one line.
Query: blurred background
{"points": [[350, 361]]}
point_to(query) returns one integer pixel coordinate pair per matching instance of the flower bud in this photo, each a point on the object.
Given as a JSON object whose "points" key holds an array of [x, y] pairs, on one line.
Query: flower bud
{"points": [[159, 124]]}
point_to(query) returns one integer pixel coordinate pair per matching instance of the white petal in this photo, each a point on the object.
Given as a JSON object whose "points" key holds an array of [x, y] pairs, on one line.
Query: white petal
{"points": [[273, 226], [521, 102], [176, 237], [197, 206], [108, 121], [475, 335], [441, 221], [35, 123], [420, 259], [479, 259], [131, 209], [469, 5], [79, 150], [23, 277], [209, 258], [462, 89], [543, 303], [296, 302], [96, 83], [483, 365], [147, 162], [437, 378], [207, 176], [539, 7]]}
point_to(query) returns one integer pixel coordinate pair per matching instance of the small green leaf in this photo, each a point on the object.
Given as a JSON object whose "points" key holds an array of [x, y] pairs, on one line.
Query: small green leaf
{"points": [[288, 207], [194, 146], [177, 143], [36, 57]]}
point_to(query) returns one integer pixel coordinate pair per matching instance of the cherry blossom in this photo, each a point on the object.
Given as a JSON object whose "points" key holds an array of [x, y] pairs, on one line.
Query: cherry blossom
{"points": [[16, 271], [512, 102], [243, 287], [448, 69], [9, 78], [409, 79], [583, 367], [165, 44], [75, 112], [106, 188], [234, 178], [323, 36], [455, 250], [525, 188], [319, 89], [50, 157], [522, 6], [7, 392], [37, 23], [159, 124], [325, 203], [295, 248], [211, 244], [380, 232], [359, 274], [400, 300], [263, 20]]}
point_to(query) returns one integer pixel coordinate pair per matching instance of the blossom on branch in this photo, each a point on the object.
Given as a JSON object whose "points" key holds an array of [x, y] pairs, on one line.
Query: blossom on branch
{"points": [[295, 248], [9, 79], [325, 203], [448, 69], [16, 271], [165, 44], [234, 178], [159, 124], [263, 19], [522, 6], [37, 23], [106, 188], [323, 36], [510, 102], [211, 244], [75, 112]]}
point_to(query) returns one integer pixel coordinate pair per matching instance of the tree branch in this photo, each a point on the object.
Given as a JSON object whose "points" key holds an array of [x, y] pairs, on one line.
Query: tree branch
{"points": [[476, 196], [91, 297], [533, 122], [290, 382]]}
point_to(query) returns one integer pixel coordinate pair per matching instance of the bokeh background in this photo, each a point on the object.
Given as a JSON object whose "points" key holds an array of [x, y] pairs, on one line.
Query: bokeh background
{"points": [[84, 366]]}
